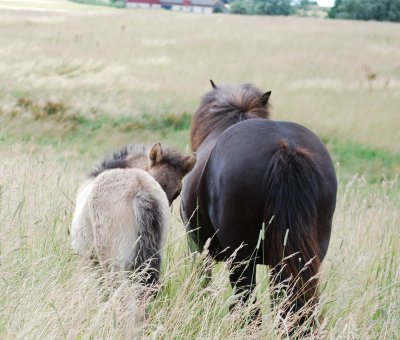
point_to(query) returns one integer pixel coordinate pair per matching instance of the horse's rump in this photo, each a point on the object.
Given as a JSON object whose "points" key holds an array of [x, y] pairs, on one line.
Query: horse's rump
{"points": [[128, 215], [230, 189]]}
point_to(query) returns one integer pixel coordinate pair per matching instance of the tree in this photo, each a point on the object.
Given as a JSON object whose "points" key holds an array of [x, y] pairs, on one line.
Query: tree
{"points": [[263, 7], [381, 10], [239, 7], [272, 7], [304, 4]]}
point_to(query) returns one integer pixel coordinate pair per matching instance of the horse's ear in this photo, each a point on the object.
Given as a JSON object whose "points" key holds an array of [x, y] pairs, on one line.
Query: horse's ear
{"points": [[188, 163], [265, 97], [156, 154], [213, 84]]}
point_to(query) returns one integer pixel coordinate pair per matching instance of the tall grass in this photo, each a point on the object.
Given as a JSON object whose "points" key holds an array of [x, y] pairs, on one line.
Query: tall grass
{"points": [[48, 292]]}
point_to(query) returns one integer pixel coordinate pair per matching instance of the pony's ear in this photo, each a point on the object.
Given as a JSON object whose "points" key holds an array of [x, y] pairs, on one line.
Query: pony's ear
{"points": [[265, 97], [213, 84], [156, 154], [188, 163]]}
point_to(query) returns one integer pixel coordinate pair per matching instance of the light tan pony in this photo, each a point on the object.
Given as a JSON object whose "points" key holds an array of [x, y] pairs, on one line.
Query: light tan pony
{"points": [[121, 216]]}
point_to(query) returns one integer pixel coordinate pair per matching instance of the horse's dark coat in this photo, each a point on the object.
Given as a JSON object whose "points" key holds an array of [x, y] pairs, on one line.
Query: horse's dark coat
{"points": [[250, 170]]}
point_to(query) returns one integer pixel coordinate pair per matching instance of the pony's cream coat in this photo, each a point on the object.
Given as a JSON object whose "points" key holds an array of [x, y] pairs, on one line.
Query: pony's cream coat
{"points": [[121, 217], [82, 239]]}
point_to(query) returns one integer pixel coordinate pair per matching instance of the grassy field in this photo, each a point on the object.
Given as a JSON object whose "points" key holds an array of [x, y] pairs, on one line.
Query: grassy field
{"points": [[47, 5], [76, 82]]}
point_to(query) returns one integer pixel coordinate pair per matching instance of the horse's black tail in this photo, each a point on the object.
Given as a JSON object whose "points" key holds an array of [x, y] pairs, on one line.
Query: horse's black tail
{"points": [[292, 187]]}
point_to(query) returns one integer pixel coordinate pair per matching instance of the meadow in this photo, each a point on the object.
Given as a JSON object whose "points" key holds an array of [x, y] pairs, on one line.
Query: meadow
{"points": [[77, 81]]}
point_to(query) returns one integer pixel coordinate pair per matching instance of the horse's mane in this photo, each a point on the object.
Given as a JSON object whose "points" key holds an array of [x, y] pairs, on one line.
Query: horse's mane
{"points": [[134, 156], [224, 106], [119, 158]]}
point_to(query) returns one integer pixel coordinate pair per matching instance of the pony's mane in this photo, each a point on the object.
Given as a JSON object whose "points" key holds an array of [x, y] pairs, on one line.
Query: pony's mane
{"points": [[224, 106], [134, 156], [119, 159]]}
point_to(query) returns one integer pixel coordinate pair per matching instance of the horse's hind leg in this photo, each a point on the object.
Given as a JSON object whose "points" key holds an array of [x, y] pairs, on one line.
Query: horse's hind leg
{"points": [[294, 285], [201, 262], [243, 280], [324, 236], [205, 270]]}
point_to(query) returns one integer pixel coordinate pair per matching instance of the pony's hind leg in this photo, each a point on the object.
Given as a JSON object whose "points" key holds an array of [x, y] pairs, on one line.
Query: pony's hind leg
{"points": [[243, 280], [203, 264], [294, 287], [201, 261]]}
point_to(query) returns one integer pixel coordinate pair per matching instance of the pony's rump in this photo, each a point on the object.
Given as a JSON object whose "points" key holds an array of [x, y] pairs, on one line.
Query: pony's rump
{"points": [[125, 218]]}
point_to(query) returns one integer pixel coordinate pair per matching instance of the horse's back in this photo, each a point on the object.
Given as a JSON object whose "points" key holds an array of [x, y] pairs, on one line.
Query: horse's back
{"points": [[233, 189]]}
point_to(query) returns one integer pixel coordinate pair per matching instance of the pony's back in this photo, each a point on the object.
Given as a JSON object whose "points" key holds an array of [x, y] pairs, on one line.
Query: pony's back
{"points": [[122, 216]]}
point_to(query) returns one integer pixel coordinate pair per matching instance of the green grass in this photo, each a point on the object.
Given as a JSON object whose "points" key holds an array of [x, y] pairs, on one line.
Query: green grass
{"points": [[48, 5], [353, 158], [70, 130]]}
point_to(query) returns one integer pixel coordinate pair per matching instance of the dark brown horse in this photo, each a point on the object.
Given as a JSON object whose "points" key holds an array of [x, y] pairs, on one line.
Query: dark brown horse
{"points": [[266, 187]]}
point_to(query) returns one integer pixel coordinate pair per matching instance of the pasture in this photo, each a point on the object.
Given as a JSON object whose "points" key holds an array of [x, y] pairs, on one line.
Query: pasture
{"points": [[77, 82]]}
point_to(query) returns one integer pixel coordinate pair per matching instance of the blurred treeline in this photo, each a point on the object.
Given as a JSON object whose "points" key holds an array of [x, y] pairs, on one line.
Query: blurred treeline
{"points": [[270, 7], [380, 10]]}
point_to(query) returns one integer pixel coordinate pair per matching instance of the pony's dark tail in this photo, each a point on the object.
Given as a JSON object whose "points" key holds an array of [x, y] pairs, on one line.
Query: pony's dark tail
{"points": [[291, 186], [151, 215]]}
